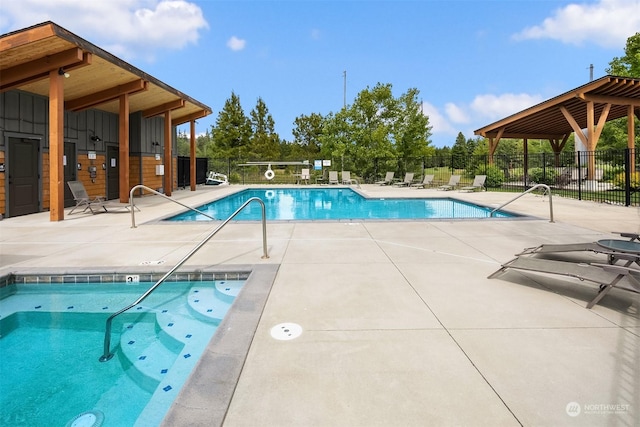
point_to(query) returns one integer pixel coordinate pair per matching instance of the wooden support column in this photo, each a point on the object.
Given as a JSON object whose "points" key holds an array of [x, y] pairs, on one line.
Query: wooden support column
{"points": [[525, 148], [192, 154], [56, 146], [123, 149], [493, 144], [168, 161], [631, 136], [591, 141]]}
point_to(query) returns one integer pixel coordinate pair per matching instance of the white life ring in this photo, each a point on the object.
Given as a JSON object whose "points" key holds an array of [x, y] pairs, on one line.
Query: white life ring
{"points": [[269, 174], [269, 194]]}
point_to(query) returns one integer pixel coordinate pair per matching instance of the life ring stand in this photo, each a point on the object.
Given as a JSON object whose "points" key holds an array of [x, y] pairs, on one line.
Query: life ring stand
{"points": [[269, 174]]}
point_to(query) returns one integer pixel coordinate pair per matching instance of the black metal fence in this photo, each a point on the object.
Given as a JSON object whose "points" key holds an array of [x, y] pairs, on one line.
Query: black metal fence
{"points": [[603, 176]]}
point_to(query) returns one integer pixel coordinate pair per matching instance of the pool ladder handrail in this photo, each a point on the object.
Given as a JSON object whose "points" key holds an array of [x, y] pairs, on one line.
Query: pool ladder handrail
{"points": [[107, 355], [132, 206], [547, 190]]}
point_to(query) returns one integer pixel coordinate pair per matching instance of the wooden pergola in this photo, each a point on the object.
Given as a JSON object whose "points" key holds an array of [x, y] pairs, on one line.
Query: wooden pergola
{"points": [[586, 107], [36, 60]]}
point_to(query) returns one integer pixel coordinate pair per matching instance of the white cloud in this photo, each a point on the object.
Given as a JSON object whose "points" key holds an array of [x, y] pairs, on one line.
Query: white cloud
{"points": [[123, 27], [455, 113], [438, 123], [608, 23], [315, 34], [234, 43], [494, 107], [466, 117]]}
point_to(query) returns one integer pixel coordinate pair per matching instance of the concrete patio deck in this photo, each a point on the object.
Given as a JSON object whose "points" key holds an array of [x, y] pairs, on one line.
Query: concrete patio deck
{"points": [[401, 326]]}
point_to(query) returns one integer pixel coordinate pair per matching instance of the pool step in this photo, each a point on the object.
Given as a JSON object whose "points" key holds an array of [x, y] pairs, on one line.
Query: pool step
{"points": [[144, 356], [205, 306]]}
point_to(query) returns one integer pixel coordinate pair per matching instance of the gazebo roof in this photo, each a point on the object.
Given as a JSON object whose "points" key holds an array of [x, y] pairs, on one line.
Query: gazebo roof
{"points": [[97, 78], [547, 121]]}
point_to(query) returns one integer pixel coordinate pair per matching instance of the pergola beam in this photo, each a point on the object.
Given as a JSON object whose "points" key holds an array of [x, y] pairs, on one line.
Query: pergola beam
{"points": [[162, 109], [106, 95], [39, 69], [191, 117]]}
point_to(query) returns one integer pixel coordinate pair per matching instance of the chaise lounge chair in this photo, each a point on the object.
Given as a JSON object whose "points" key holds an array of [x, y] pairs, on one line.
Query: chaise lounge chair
{"points": [[605, 275], [346, 178], [82, 199], [388, 180], [478, 184], [305, 175], [426, 182], [408, 179], [615, 249], [333, 177], [453, 182]]}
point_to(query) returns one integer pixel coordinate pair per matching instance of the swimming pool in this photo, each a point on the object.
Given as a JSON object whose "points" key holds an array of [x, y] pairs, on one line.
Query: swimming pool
{"points": [[335, 204], [51, 338]]}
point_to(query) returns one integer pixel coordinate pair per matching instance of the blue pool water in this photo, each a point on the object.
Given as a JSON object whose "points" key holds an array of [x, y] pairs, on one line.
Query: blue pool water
{"points": [[334, 204], [51, 337]]}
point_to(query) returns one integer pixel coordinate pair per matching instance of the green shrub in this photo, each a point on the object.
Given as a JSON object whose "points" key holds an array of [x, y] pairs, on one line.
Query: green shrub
{"points": [[546, 176], [611, 172], [495, 175], [618, 180], [234, 178]]}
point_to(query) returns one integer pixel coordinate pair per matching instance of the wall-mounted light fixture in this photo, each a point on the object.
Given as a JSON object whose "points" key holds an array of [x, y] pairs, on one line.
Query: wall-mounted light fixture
{"points": [[62, 72], [95, 138]]}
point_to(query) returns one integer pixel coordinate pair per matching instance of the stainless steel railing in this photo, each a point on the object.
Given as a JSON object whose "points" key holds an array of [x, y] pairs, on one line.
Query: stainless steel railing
{"points": [[132, 206], [547, 190], [107, 355]]}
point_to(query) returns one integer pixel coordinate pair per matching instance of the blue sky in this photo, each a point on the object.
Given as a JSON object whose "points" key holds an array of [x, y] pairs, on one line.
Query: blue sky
{"points": [[473, 61]]}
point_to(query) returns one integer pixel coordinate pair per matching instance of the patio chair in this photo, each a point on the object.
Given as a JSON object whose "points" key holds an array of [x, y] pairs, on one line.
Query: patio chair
{"points": [[388, 180], [427, 181], [346, 178], [305, 175], [407, 181], [333, 177], [615, 249], [607, 276], [82, 199], [478, 184], [453, 183]]}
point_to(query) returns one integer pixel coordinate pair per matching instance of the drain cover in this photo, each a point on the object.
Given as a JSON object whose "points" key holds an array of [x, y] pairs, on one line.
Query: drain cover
{"points": [[286, 331]]}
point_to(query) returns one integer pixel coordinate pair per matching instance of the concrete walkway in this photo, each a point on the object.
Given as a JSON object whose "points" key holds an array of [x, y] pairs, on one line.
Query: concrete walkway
{"points": [[400, 325]]}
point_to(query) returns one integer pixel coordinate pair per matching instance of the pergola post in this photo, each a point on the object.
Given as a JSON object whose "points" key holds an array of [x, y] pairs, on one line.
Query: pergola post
{"points": [[192, 154], [56, 146], [168, 161], [631, 137], [123, 148]]}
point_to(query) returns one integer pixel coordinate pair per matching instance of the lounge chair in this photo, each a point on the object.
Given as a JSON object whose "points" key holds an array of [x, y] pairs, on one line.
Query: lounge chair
{"points": [[333, 177], [408, 180], [82, 199], [605, 275], [615, 249], [478, 184], [305, 175], [427, 181], [453, 183], [347, 180], [388, 180]]}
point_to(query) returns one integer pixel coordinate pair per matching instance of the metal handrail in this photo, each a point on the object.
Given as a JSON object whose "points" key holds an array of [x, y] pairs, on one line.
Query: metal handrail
{"points": [[132, 206], [548, 191], [107, 355]]}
